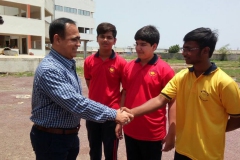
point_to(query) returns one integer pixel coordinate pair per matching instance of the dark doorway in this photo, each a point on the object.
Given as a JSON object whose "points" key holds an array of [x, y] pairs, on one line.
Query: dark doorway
{"points": [[24, 45]]}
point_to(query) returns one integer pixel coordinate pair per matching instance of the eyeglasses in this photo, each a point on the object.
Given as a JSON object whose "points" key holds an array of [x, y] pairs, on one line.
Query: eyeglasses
{"points": [[188, 49]]}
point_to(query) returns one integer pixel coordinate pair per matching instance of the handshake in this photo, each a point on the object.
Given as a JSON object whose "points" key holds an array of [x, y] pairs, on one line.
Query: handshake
{"points": [[124, 116]]}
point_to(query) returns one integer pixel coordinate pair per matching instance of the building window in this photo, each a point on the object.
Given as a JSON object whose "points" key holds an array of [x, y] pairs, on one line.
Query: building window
{"points": [[87, 13], [58, 8], [80, 12], [73, 10]]}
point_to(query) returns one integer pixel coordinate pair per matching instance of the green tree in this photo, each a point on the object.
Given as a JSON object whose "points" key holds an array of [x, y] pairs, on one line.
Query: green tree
{"points": [[174, 49], [223, 51]]}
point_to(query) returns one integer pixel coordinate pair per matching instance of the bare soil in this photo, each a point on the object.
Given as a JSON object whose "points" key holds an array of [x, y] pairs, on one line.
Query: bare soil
{"points": [[15, 110]]}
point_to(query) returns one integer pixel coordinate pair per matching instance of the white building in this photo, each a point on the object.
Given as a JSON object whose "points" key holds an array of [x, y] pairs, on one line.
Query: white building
{"points": [[25, 26], [81, 11], [26, 22]]}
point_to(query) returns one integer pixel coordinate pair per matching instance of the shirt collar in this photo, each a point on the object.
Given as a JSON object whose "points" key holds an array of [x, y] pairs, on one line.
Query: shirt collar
{"points": [[151, 62], [112, 56], [70, 63], [212, 68]]}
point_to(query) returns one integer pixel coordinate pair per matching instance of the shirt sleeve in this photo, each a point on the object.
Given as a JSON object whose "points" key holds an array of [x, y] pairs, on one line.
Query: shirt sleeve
{"points": [[230, 97], [170, 90], [58, 88]]}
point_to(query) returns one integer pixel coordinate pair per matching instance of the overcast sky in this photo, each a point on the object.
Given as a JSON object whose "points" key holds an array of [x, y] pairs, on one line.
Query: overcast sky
{"points": [[173, 18]]}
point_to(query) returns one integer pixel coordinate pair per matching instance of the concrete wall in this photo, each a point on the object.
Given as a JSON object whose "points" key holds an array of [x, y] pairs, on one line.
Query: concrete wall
{"points": [[11, 64]]}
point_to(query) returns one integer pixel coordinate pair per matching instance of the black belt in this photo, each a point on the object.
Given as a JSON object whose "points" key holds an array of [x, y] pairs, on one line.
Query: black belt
{"points": [[58, 130]]}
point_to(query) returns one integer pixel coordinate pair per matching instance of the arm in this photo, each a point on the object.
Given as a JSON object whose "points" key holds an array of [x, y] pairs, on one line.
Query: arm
{"points": [[169, 140], [233, 123], [123, 95], [87, 82], [57, 87], [150, 106], [118, 131]]}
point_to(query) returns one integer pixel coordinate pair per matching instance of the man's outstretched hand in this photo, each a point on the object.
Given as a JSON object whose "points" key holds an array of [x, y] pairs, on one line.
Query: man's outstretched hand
{"points": [[124, 116]]}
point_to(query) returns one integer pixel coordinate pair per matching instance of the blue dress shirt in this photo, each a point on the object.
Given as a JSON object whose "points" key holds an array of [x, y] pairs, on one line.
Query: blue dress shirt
{"points": [[57, 99]]}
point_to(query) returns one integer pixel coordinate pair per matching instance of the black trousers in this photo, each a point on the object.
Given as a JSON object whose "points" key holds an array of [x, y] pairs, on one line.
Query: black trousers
{"points": [[143, 150], [102, 133], [178, 156], [48, 146]]}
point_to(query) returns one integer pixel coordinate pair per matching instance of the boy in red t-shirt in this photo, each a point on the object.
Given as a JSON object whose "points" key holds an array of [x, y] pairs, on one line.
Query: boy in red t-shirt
{"points": [[103, 74], [143, 79]]}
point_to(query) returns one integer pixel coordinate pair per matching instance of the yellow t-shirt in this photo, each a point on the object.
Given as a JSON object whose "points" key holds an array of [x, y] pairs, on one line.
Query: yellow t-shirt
{"points": [[203, 107]]}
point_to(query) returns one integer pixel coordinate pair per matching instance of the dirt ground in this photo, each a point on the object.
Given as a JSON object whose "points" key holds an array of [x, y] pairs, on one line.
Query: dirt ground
{"points": [[15, 110]]}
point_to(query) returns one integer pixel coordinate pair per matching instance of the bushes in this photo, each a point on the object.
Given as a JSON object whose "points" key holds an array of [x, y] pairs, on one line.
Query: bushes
{"points": [[174, 49], [223, 51]]}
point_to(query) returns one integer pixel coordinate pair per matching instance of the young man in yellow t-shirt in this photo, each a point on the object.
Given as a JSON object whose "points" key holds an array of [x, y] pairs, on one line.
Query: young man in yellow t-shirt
{"points": [[207, 101]]}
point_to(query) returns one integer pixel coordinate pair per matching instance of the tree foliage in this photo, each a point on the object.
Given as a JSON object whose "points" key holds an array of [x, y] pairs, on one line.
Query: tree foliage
{"points": [[223, 51], [174, 49]]}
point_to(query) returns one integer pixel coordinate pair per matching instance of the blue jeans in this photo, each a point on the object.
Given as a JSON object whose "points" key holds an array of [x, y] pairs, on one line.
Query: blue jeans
{"points": [[48, 146]]}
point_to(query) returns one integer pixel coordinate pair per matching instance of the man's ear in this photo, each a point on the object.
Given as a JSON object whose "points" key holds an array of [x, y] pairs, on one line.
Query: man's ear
{"points": [[205, 51], [115, 40], [56, 38], [154, 46]]}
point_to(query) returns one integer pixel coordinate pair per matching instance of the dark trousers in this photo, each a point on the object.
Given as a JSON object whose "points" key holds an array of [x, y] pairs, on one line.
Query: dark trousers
{"points": [[48, 146], [99, 133], [178, 156], [143, 150]]}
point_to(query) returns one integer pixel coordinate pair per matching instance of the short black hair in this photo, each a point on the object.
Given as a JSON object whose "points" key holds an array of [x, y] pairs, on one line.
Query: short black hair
{"points": [[105, 27], [149, 34], [205, 37], [58, 27]]}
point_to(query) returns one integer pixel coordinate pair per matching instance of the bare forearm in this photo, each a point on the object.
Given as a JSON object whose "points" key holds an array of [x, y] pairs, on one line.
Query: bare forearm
{"points": [[87, 82], [172, 116], [150, 106], [123, 95]]}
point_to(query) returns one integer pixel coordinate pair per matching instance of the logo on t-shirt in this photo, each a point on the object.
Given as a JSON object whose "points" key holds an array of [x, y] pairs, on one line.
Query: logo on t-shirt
{"points": [[111, 69], [152, 73], [204, 95]]}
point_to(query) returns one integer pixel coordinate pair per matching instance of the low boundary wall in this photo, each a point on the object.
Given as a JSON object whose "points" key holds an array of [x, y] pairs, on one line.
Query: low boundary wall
{"points": [[11, 64]]}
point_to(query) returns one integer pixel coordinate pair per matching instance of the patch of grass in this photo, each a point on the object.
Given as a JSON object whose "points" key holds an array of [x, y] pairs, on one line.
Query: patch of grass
{"points": [[174, 61], [79, 71]]}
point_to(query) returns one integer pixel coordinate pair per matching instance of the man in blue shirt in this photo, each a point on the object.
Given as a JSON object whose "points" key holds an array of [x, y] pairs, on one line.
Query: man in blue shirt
{"points": [[57, 101]]}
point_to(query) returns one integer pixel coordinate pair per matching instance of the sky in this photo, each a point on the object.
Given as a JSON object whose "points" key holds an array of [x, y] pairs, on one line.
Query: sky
{"points": [[173, 18]]}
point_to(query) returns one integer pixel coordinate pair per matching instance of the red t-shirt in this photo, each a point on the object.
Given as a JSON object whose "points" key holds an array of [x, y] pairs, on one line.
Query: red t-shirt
{"points": [[105, 78], [141, 84]]}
